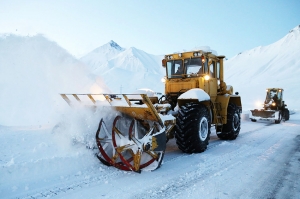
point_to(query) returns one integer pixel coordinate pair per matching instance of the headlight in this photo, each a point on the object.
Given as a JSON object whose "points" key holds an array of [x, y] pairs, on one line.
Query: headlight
{"points": [[273, 104], [203, 59], [206, 77], [163, 80]]}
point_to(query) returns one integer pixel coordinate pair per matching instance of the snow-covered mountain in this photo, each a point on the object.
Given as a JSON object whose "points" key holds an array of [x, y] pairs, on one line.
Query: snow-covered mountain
{"points": [[96, 59], [125, 70], [34, 71], [249, 72], [275, 65]]}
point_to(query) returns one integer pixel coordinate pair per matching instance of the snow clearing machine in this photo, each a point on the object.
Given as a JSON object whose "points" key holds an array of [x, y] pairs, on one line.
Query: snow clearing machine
{"points": [[196, 98], [274, 108]]}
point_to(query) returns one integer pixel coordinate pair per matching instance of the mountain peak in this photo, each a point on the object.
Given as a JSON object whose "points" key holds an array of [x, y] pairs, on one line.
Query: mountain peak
{"points": [[297, 28], [114, 45]]}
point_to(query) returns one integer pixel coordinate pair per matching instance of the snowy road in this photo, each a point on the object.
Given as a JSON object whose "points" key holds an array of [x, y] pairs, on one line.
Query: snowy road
{"points": [[263, 162]]}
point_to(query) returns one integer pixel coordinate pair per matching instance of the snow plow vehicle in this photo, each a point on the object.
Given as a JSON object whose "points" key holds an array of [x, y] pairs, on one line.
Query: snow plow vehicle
{"points": [[274, 108], [195, 99]]}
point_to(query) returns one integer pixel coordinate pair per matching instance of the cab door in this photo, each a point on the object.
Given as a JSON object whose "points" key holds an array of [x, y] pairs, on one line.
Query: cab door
{"points": [[212, 82]]}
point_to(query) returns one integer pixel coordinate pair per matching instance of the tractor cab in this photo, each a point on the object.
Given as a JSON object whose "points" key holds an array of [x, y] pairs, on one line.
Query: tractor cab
{"points": [[273, 99], [184, 66], [195, 69]]}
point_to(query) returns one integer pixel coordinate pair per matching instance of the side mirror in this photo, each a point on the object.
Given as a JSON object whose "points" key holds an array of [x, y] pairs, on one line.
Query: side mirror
{"points": [[236, 93], [209, 62], [164, 62]]}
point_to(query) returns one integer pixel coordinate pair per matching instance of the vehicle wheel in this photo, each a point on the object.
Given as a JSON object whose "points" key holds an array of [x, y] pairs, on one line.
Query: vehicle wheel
{"points": [[253, 120], [279, 118], [193, 128], [232, 128], [287, 114]]}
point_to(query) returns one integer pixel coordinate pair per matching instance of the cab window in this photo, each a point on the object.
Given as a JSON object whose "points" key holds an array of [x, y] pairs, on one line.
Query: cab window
{"points": [[175, 69], [218, 70], [279, 94], [212, 67], [193, 66], [205, 66]]}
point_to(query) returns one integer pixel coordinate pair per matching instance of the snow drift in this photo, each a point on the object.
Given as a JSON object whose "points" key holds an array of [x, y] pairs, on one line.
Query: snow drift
{"points": [[34, 71]]}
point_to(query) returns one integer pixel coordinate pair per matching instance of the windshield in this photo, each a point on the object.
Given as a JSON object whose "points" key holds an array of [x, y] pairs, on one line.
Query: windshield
{"points": [[273, 95], [175, 69], [193, 66]]}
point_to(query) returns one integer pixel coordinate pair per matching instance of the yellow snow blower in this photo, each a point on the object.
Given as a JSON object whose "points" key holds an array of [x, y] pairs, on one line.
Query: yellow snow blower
{"points": [[196, 97]]}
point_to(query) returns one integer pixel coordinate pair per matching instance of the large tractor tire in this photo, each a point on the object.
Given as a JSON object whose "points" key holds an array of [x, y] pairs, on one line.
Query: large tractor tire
{"points": [[193, 128], [232, 128], [279, 118], [286, 114]]}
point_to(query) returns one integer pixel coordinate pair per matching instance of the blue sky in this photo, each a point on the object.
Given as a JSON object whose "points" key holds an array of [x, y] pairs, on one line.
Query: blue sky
{"points": [[155, 26]]}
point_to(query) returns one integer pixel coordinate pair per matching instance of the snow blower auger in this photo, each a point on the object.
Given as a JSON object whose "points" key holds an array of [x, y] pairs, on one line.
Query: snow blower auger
{"points": [[274, 108], [136, 139], [196, 97]]}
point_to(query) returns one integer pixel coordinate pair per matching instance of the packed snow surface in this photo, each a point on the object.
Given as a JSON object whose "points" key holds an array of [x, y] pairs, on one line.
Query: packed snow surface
{"points": [[47, 162]]}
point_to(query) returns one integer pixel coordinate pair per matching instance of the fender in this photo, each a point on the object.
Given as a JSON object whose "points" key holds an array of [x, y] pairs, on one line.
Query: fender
{"points": [[225, 100], [196, 95]]}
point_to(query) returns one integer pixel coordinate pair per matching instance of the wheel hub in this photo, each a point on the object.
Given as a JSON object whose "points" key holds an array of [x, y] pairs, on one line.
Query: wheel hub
{"points": [[203, 128], [235, 122]]}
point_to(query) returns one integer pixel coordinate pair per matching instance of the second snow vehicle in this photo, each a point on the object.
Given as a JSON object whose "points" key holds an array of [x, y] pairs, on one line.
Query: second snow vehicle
{"points": [[196, 98], [274, 108]]}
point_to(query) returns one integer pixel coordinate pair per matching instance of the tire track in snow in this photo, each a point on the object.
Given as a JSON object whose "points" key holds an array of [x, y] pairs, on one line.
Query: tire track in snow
{"points": [[191, 176], [276, 160], [111, 176], [211, 168], [207, 169], [75, 182], [212, 144], [290, 180]]}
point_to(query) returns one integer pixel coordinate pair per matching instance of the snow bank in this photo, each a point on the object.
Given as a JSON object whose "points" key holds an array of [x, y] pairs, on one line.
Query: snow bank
{"points": [[34, 71]]}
